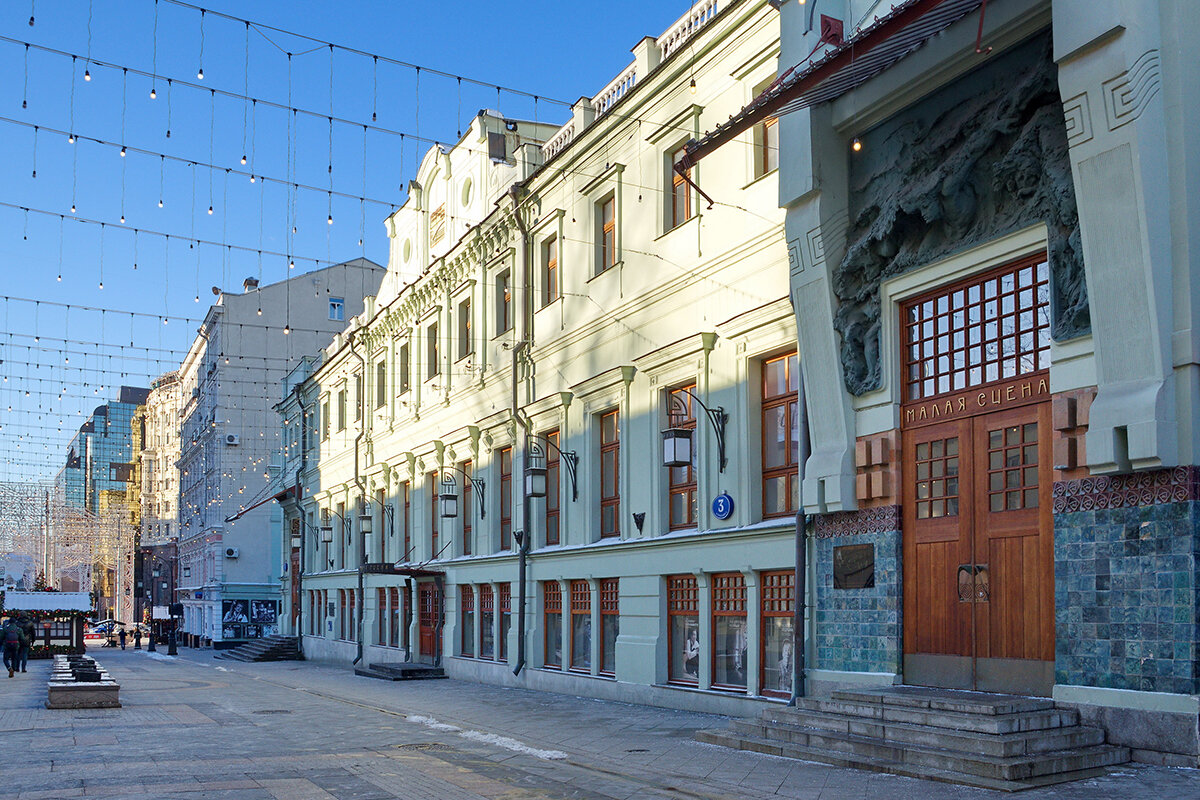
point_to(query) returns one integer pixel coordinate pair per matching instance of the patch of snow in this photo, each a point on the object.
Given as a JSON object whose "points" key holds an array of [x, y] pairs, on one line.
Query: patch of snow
{"points": [[487, 738], [158, 656]]}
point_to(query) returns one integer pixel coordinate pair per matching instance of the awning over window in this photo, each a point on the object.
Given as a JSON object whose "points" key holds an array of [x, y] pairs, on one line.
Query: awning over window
{"points": [[866, 54]]}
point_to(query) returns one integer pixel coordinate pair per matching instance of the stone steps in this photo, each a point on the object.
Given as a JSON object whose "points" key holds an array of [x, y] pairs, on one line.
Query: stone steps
{"points": [[273, 648], [401, 671], [993, 741]]}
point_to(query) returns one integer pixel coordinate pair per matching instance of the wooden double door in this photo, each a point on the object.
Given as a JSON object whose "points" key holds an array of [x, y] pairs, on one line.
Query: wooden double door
{"points": [[428, 618], [978, 553]]}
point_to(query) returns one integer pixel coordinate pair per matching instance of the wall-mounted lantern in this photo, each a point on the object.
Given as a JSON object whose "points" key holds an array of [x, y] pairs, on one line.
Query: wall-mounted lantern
{"points": [[677, 440]]}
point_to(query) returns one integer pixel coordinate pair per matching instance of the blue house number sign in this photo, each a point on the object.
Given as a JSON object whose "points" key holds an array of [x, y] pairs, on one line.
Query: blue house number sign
{"points": [[722, 506]]}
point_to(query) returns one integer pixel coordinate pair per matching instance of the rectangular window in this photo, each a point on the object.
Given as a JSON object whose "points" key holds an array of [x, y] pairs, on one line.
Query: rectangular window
{"points": [[406, 521], [505, 590], [402, 369], [504, 319], [550, 273], [343, 535], [681, 191], [581, 626], [435, 516], [341, 409], [729, 630], [467, 597], [505, 498], [994, 327], [380, 383], [777, 609], [767, 159], [359, 388], [683, 629], [395, 616], [432, 351], [325, 420], [610, 492], [606, 234], [681, 489], [780, 436], [552, 493], [337, 309], [467, 511], [552, 597], [465, 345], [341, 630], [487, 615], [381, 616], [610, 625]]}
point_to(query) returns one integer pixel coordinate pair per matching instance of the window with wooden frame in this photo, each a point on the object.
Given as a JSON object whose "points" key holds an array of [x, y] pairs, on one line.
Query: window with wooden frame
{"points": [[767, 139], [551, 290], [606, 233], [681, 481], [396, 616], [683, 629], [993, 328], [325, 419], [681, 191], [552, 488], [402, 369], [343, 539], [505, 459], [610, 487], [467, 601], [780, 436], [505, 591], [729, 630], [353, 628], [552, 622], [504, 300], [341, 408], [341, 626], [466, 345], [487, 616], [435, 517], [432, 351], [381, 616], [406, 520], [610, 625], [359, 391], [777, 607], [381, 538], [468, 512], [581, 626], [381, 383]]}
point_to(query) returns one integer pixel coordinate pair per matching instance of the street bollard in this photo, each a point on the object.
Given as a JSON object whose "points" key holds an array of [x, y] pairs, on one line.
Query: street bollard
{"points": [[171, 651], [151, 647]]}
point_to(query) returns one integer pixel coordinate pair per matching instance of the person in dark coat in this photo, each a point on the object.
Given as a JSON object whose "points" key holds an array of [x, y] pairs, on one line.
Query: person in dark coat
{"points": [[30, 628], [137, 638], [13, 637], [121, 635]]}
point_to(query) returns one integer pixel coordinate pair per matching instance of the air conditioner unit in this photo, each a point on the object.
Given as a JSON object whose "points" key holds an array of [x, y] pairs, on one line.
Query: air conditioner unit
{"points": [[231, 552], [232, 439]]}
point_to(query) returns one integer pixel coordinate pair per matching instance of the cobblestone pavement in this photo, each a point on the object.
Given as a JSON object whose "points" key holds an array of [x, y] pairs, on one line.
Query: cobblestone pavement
{"points": [[194, 727]]}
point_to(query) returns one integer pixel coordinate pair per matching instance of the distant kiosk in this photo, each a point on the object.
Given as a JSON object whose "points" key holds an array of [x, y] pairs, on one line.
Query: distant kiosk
{"points": [[58, 616]]}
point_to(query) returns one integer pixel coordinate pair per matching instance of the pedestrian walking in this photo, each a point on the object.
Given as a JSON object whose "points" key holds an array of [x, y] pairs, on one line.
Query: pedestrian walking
{"points": [[13, 637], [121, 635], [29, 628], [137, 638]]}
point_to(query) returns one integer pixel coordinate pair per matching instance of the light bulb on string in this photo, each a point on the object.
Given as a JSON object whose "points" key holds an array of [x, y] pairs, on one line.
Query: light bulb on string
{"points": [[286, 330], [243, 158], [260, 311], [252, 178], [330, 220], [160, 202], [200, 74], [87, 76], [70, 138], [692, 86], [153, 94], [72, 208], [122, 151], [856, 145], [122, 218], [210, 211]]}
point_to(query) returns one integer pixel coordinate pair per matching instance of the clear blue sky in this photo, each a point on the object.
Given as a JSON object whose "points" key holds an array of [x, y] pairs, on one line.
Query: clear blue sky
{"points": [[552, 49]]}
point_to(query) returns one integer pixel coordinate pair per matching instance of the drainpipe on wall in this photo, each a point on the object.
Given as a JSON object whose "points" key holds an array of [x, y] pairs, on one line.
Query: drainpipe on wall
{"points": [[521, 345], [800, 581], [362, 493], [300, 510]]}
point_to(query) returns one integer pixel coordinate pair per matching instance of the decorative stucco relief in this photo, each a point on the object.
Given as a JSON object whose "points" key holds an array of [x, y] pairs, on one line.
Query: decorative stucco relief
{"points": [[983, 157]]}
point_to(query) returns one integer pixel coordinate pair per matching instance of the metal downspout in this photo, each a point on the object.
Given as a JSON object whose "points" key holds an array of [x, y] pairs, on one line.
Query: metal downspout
{"points": [[362, 493], [521, 345], [299, 510], [800, 579]]}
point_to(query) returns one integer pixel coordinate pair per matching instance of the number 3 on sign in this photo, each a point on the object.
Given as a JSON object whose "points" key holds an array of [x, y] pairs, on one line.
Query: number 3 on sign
{"points": [[722, 506]]}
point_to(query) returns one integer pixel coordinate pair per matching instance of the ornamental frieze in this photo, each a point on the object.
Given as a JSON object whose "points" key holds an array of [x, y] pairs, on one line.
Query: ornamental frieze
{"points": [[1153, 487]]}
